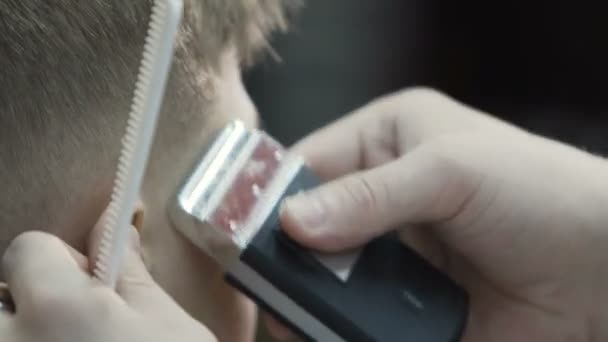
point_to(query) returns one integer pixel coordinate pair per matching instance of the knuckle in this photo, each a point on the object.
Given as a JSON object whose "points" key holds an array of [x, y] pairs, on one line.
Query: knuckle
{"points": [[362, 193], [458, 180], [26, 239], [441, 157], [406, 103], [22, 243], [410, 103], [413, 94], [420, 95]]}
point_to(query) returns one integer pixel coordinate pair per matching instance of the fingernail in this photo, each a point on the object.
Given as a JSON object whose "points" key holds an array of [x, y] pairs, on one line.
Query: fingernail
{"points": [[305, 210]]}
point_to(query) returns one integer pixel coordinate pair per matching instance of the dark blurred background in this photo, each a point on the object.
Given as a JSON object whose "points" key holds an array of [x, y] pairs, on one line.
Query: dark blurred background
{"points": [[539, 64]]}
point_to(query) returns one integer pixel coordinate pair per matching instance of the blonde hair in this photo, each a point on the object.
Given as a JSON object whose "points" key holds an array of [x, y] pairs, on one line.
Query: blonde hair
{"points": [[67, 72]]}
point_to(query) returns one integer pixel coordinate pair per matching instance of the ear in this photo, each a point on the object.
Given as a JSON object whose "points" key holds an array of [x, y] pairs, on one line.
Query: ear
{"points": [[138, 217]]}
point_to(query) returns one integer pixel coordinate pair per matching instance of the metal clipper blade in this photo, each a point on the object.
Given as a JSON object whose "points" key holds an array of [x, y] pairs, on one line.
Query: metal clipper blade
{"points": [[231, 189], [228, 206]]}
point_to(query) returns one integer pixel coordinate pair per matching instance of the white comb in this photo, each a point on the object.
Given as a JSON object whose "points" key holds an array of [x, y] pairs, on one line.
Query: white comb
{"points": [[147, 99]]}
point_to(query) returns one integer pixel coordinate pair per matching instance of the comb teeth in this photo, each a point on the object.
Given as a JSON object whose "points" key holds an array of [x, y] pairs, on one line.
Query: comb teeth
{"points": [[136, 143]]}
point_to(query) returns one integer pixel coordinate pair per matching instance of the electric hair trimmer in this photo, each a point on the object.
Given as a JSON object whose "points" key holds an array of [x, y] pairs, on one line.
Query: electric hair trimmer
{"points": [[229, 207]]}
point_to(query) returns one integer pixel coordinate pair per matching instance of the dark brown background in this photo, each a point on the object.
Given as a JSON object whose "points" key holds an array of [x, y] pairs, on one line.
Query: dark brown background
{"points": [[540, 64]]}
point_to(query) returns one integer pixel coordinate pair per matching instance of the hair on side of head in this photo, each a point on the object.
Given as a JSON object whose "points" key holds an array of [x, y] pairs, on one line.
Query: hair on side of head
{"points": [[68, 68]]}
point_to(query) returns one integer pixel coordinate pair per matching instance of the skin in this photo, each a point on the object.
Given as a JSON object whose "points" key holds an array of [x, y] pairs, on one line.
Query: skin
{"points": [[518, 220], [202, 97], [58, 301], [199, 287], [197, 283], [507, 214], [471, 183]]}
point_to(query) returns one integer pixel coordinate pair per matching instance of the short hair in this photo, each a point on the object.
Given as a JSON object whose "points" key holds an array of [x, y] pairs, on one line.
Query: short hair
{"points": [[66, 78]]}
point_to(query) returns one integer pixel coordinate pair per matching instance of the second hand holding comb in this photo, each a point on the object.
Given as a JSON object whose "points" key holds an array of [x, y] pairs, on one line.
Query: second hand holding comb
{"points": [[136, 144]]}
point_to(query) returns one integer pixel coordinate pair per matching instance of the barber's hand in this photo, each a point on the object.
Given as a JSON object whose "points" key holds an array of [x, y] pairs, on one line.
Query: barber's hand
{"points": [[58, 301], [518, 220]]}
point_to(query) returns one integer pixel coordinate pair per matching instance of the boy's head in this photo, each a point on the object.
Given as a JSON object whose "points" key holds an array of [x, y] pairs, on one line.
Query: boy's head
{"points": [[68, 72]]}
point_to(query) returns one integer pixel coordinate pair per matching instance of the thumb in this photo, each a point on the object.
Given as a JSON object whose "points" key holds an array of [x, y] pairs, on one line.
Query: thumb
{"points": [[419, 187]]}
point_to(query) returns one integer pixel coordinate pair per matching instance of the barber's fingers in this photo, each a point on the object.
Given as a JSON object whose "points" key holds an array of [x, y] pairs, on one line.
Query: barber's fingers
{"points": [[421, 187], [37, 264], [382, 131], [277, 330]]}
